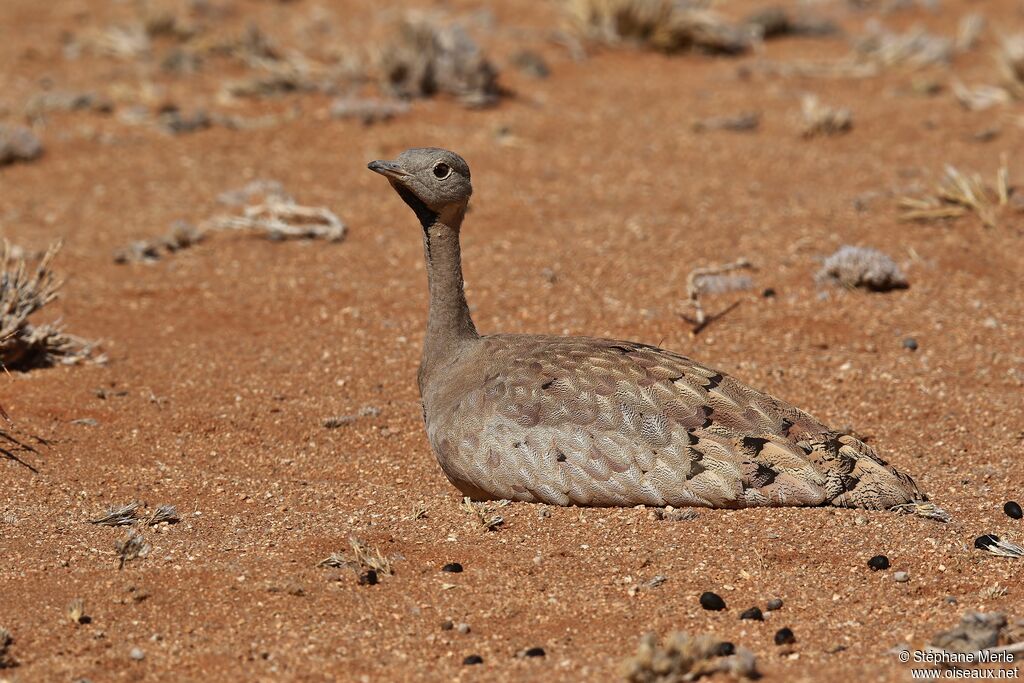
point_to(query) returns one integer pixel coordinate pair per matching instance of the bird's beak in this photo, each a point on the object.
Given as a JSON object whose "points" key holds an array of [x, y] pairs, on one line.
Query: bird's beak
{"points": [[388, 169]]}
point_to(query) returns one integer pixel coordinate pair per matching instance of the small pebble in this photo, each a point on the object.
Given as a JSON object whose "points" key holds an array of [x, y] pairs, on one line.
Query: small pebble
{"points": [[472, 659], [784, 636], [879, 562], [137, 654], [447, 625], [901, 577], [753, 613], [1012, 509], [910, 344], [711, 601], [725, 649], [463, 628], [535, 652], [453, 567], [774, 604], [768, 293]]}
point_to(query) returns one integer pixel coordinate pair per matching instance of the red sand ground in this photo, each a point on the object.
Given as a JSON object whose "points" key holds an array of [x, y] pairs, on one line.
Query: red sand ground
{"points": [[231, 353]]}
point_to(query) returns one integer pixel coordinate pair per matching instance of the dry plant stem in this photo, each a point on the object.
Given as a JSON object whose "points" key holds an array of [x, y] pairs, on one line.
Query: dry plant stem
{"points": [[280, 220], [700, 319], [958, 194]]}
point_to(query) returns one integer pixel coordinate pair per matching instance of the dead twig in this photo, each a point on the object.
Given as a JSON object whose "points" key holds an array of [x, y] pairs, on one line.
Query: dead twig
{"points": [[696, 285]]}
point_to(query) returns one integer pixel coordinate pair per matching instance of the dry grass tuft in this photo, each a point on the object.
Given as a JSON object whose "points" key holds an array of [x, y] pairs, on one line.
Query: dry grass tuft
{"points": [[132, 547], [862, 267], [164, 514], [368, 563], [819, 119], [713, 280], [485, 513], [924, 509], [423, 59], [958, 194], [1011, 64], [23, 291], [993, 592], [6, 640], [681, 657], [123, 515], [75, 612], [18, 144], [663, 25]]}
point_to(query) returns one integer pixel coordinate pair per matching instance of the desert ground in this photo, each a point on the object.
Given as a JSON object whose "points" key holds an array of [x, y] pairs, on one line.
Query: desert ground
{"points": [[266, 388]]}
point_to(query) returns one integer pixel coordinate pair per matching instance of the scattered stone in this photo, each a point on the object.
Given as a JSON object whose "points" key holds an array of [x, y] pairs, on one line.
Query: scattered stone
{"points": [[452, 567], [863, 267], [535, 652], [768, 293], [681, 657], [447, 625], [879, 562], [1012, 509], [712, 601], [472, 659], [784, 636], [137, 654], [774, 604], [901, 577], [463, 628], [18, 143], [753, 613], [976, 631], [910, 344]]}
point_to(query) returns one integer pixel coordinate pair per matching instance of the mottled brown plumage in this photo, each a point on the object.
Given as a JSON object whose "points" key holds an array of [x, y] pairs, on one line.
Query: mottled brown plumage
{"points": [[582, 421]]}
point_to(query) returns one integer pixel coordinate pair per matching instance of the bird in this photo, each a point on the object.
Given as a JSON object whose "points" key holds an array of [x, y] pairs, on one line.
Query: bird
{"points": [[585, 421]]}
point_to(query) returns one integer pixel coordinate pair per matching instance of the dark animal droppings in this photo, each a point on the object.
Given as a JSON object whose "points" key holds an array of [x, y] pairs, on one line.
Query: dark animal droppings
{"points": [[768, 293], [452, 567], [712, 601], [910, 344], [447, 625], [784, 636], [535, 652], [879, 562], [725, 649], [774, 604], [473, 659], [753, 613], [369, 578], [986, 541], [1012, 509]]}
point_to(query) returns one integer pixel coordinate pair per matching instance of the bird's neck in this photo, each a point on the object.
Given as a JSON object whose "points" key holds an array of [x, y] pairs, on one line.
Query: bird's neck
{"points": [[449, 325]]}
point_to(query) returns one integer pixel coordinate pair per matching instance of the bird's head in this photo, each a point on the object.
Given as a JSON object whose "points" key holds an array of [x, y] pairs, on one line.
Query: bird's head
{"points": [[433, 181]]}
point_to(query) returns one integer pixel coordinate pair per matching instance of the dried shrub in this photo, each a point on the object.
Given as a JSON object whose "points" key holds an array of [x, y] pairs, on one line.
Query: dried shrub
{"points": [[681, 657], [423, 59], [959, 194], [663, 25], [23, 291], [367, 110], [121, 515], [181, 236], [18, 143], [6, 640], [862, 267], [1011, 64], [368, 563], [164, 514], [132, 547], [820, 119], [485, 514]]}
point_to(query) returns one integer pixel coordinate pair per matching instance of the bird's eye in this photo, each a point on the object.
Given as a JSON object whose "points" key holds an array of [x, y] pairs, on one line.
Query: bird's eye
{"points": [[442, 170]]}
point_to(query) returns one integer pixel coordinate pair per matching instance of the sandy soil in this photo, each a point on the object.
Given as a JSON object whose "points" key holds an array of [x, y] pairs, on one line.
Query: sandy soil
{"points": [[594, 199]]}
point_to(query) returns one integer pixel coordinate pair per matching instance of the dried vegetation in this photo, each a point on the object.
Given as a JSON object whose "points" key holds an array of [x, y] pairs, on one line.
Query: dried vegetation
{"points": [[959, 194], [24, 290], [862, 268], [680, 657]]}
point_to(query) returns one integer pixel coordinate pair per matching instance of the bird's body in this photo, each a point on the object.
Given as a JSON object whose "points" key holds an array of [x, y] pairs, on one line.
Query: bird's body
{"points": [[584, 421]]}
